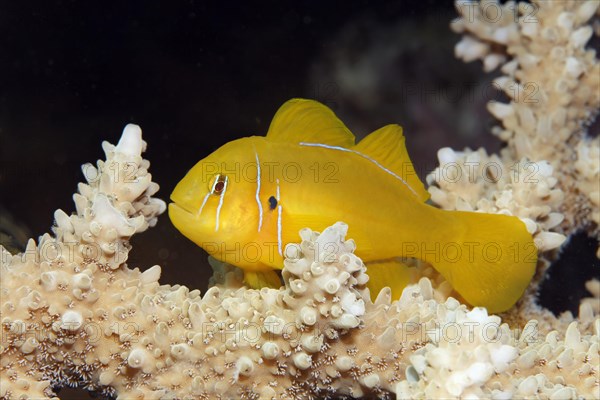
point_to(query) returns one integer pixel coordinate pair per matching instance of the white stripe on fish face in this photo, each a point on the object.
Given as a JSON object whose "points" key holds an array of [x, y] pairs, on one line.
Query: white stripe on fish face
{"points": [[221, 198], [279, 227], [203, 204], [363, 156], [260, 209]]}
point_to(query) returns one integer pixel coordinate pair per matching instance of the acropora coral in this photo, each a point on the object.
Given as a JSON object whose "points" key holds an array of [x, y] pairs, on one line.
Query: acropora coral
{"points": [[74, 313]]}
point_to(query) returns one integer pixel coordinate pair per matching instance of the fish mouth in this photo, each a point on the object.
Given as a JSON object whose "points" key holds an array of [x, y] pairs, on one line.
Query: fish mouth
{"points": [[189, 225], [180, 218], [182, 200], [181, 208]]}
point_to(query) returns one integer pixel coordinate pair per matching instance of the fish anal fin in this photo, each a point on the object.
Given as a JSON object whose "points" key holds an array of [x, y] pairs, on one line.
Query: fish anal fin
{"points": [[390, 273], [387, 146], [261, 279], [301, 120]]}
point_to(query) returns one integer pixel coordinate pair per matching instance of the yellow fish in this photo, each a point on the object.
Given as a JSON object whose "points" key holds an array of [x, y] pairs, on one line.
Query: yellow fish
{"points": [[247, 200]]}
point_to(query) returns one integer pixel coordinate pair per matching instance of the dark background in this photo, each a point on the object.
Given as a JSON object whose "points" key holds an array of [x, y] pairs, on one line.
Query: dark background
{"points": [[196, 75]]}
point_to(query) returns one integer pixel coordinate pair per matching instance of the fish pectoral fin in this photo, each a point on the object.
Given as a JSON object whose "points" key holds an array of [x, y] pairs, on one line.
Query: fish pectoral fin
{"points": [[261, 279], [301, 120], [387, 146], [390, 273]]}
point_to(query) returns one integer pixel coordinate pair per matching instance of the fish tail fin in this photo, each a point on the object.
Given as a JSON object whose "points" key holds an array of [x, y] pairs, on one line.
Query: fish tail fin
{"points": [[488, 258]]}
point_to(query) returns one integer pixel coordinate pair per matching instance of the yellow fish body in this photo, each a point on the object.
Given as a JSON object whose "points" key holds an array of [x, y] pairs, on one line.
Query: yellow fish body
{"points": [[248, 199]]}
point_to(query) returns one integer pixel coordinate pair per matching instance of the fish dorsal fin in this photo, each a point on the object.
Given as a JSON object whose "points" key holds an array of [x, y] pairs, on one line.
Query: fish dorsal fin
{"points": [[301, 120], [386, 147]]}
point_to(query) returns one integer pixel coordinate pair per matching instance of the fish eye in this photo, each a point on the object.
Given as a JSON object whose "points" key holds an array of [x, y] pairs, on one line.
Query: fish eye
{"points": [[219, 184], [272, 202]]}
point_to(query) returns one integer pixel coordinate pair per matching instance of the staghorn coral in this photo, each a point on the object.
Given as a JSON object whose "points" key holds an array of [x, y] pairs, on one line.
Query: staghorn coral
{"points": [[548, 173], [74, 314]]}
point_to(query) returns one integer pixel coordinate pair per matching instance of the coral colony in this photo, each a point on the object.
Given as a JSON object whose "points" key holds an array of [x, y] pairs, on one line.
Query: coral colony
{"points": [[75, 314]]}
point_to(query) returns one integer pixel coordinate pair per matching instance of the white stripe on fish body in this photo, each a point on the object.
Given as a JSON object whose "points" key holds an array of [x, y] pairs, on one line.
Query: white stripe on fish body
{"points": [[279, 227], [260, 209], [363, 156], [221, 198]]}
